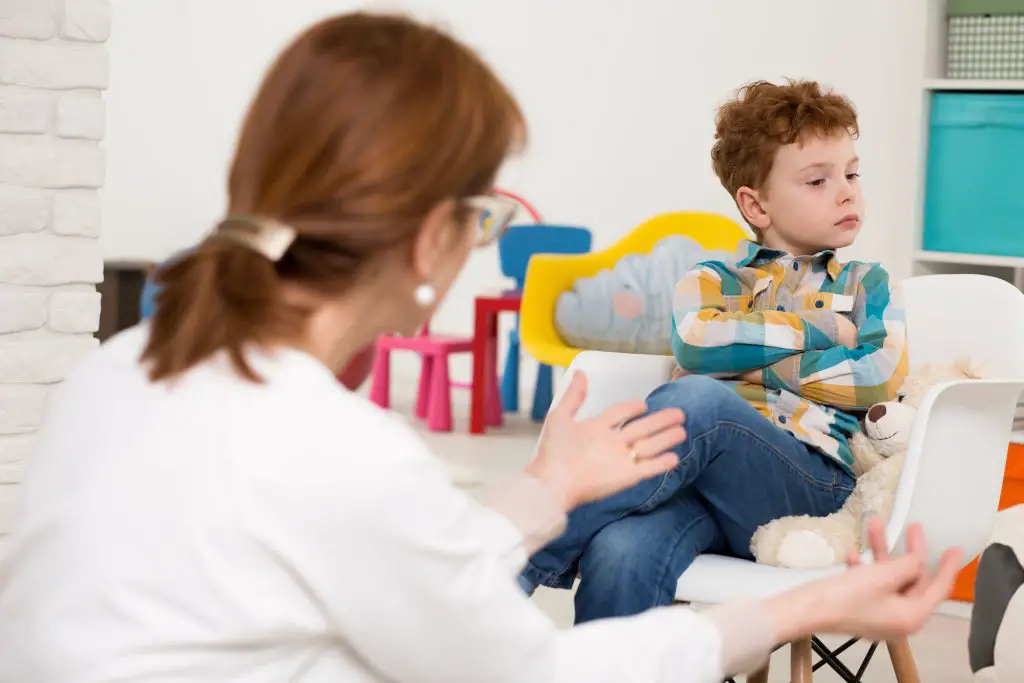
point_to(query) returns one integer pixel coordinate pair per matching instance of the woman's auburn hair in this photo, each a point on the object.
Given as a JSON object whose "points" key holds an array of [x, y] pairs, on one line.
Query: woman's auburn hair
{"points": [[360, 128]]}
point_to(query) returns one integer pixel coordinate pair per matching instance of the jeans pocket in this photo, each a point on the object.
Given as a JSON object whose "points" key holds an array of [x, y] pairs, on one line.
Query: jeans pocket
{"points": [[843, 487]]}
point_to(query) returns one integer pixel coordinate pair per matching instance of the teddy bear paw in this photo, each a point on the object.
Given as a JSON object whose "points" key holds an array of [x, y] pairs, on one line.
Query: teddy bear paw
{"points": [[805, 550]]}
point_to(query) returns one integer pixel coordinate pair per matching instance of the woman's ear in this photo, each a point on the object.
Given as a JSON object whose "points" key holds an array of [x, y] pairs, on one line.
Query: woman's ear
{"points": [[433, 240], [750, 204]]}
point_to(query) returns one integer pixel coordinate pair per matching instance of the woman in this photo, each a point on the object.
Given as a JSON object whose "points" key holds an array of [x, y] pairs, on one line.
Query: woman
{"points": [[208, 504]]}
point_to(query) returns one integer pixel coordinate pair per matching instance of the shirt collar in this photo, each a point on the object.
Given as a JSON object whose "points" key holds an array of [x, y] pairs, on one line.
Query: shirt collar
{"points": [[750, 254]]}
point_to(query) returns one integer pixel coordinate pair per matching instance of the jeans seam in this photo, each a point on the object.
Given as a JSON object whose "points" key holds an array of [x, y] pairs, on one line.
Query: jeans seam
{"points": [[825, 486], [679, 539]]}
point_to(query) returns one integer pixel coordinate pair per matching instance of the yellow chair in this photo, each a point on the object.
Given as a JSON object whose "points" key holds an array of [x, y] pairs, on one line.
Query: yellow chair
{"points": [[548, 275]]}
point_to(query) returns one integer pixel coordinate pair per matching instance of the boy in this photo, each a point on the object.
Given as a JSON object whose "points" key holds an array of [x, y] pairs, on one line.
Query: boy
{"points": [[778, 354]]}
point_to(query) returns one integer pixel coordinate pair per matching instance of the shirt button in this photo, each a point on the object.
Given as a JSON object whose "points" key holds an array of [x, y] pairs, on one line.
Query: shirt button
{"points": [[819, 304], [796, 266], [780, 308], [782, 419]]}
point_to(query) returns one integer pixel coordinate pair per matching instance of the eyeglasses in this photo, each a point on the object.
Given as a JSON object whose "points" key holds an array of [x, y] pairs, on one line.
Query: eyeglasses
{"points": [[496, 214]]}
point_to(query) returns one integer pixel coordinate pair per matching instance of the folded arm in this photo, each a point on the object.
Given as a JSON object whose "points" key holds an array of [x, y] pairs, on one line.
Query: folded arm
{"points": [[859, 377], [708, 339]]}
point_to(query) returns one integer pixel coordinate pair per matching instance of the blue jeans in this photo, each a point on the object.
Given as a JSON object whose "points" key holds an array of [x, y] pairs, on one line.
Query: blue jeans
{"points": [[736, 472]]}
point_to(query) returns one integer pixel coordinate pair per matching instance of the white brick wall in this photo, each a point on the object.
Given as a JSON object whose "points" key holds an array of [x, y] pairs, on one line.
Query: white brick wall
{"points": [[53, 68]]}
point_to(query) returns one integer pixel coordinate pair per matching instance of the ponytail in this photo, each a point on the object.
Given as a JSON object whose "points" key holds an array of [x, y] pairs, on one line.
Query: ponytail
{"points": [[222, 296], [360, 128]]}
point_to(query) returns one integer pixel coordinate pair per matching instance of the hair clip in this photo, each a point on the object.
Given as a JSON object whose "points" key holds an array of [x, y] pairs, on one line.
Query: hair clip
{"points": [[267, 236]]}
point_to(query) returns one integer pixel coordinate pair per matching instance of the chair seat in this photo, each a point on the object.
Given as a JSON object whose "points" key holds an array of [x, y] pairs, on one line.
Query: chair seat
{"points": [[432, 344], [715, 579]]}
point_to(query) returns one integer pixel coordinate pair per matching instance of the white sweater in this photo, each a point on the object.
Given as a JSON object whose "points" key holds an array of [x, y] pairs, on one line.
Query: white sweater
{"points": [[218, 530]]}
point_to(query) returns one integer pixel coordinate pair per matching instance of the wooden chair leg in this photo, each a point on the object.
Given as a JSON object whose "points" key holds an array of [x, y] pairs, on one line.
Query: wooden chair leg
{"points": [[802, 661], [759, 676], [903, 664]]}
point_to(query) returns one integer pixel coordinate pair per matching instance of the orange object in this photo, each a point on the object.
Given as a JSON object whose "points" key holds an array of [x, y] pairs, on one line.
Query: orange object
{"points": [[1013, 494]]}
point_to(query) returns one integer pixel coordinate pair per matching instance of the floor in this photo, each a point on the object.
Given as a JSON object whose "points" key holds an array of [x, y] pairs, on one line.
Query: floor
{"points": [[478, 462]]}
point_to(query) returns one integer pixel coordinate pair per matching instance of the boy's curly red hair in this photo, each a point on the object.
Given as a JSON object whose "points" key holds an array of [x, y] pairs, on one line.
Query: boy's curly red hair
{"points": [[765, 116]]}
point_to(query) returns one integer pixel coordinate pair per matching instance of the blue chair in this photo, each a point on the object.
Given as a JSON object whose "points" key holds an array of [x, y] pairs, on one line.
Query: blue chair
{"points": [[147, 306], [515, 248], [147, 303]]}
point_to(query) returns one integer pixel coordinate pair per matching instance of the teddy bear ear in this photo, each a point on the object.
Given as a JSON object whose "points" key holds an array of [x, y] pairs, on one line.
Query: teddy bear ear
{"points": [[970, 368]]}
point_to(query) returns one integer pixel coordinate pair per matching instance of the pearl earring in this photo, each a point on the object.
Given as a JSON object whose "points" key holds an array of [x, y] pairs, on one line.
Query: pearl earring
{"points": [[425, 295]]}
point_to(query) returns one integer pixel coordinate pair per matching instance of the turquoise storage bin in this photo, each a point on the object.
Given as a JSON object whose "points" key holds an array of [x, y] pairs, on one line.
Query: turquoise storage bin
{"points": [[974, 188]]}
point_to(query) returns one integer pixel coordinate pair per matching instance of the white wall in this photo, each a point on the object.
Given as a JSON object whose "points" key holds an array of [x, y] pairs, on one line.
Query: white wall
{"points": [[53, 66], [620, 97]]}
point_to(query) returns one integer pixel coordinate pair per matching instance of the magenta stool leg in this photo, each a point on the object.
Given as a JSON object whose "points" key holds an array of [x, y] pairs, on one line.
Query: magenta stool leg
{"points": [[440, 418], [425, 386], [493, 414], [380, 390]]}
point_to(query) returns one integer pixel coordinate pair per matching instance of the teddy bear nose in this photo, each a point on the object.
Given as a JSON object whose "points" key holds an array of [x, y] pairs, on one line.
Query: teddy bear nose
{"points": [[876, 413]]}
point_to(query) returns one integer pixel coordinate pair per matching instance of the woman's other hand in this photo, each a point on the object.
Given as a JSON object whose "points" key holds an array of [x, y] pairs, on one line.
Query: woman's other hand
{"points": [[888, 599], [587, 460]]}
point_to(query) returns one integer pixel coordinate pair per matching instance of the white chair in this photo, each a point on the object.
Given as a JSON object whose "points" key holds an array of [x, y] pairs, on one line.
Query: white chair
{"points": [[948, 316]]}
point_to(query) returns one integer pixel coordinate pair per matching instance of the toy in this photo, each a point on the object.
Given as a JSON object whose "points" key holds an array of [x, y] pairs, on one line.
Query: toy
{"points": [[803, 542], [628, 307], [551, 275], [997, 620]]}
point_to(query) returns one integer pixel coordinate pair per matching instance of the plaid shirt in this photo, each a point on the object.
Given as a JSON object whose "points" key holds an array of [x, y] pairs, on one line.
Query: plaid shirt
{"points": [[776, 312]]}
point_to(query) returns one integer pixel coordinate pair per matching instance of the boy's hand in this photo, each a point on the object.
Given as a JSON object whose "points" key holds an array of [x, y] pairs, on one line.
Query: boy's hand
{"points": [[753, 377], [847, 332]]}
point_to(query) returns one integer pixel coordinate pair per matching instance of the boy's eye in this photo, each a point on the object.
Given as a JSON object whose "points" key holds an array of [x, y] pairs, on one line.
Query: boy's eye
{"points": [[817, 182], [852, 176]]}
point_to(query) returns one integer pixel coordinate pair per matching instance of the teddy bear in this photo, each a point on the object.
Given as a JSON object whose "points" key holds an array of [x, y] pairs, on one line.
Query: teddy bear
{"points": [[804, 542], [997, 619]]}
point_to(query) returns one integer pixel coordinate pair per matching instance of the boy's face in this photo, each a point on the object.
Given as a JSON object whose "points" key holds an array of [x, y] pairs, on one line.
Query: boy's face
{"points": [[812, 198]]}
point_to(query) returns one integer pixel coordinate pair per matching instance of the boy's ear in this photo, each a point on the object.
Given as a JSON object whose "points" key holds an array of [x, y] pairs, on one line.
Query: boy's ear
{"points": [[749, 203]]}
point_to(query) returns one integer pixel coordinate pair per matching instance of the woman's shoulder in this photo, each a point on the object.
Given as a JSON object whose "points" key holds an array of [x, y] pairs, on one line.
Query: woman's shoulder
{"points": [[298, 413]]}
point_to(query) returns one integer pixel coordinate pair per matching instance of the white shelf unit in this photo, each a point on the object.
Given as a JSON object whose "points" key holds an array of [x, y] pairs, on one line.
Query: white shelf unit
{"points": [[971, 85], [925, 262]]}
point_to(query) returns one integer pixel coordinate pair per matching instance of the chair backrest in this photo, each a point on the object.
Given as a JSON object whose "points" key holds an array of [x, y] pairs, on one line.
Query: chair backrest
{"points": [[521, 242], [954, 466], [956, 315]]}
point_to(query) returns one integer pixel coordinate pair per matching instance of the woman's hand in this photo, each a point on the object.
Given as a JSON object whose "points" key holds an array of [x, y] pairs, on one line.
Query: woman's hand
{"points": [[592, 459], [891, 598]]}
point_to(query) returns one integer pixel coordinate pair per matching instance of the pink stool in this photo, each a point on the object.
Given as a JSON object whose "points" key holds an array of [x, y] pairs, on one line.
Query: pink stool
{"points": [[434, 397]]}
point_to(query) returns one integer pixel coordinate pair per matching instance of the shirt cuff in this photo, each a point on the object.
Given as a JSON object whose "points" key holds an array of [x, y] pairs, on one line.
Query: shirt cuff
{"points": [[748, 636], [531, 508]]}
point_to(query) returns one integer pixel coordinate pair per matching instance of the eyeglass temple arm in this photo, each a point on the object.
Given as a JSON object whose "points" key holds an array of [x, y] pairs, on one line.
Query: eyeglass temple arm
{"points": [[530, 208]]}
